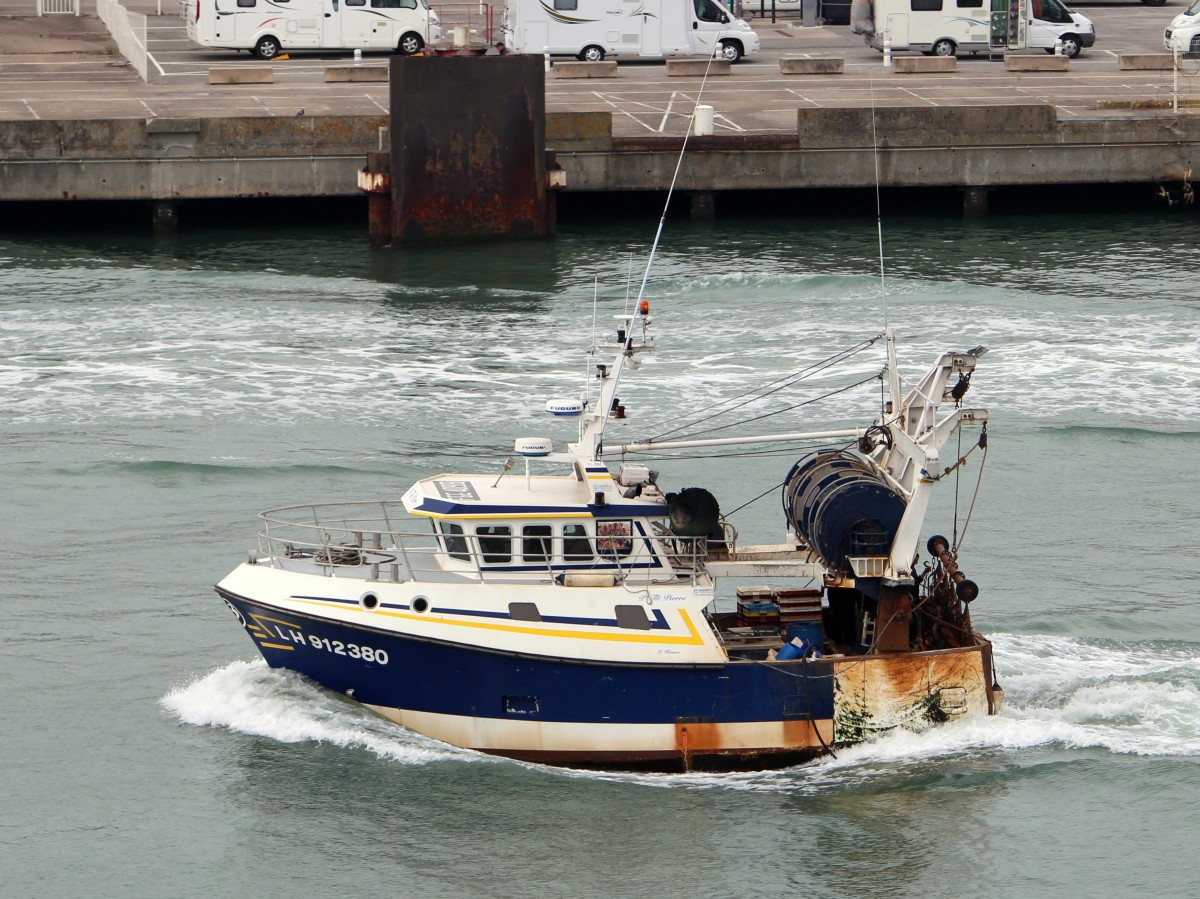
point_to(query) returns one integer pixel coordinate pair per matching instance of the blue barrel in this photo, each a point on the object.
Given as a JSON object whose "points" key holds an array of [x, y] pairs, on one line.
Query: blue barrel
{"points": [[797, 649], [808, 631], [788, 652]]}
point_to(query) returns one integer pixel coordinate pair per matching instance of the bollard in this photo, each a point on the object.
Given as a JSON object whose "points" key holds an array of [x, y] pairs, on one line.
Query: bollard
{"points": [[357, 56], [887, 52], [703, 120], [1058, 46], [546, 52]]}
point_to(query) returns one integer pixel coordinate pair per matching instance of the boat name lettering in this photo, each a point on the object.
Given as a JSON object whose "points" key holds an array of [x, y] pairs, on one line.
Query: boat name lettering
{"points": [[666, 597], [456, 490]]}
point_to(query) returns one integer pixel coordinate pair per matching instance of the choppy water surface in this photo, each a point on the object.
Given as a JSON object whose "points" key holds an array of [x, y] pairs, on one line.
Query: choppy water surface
{"points": [[158, 394]]}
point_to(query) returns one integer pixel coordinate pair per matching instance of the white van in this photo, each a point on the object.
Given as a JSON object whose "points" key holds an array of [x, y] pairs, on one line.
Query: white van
{"points": [[1183, 34], [634, 29], [270, 27], [950, 27]]}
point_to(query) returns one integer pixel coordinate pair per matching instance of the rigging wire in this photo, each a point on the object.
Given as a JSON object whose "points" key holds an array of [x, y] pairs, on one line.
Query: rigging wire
{"points": [[978, 484], [674, 179], [766, 415], [763, 391], [878, 210], [753, 500], [628, 281], [662, 219]]}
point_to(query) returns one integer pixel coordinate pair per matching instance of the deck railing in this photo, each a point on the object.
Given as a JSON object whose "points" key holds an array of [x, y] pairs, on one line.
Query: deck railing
{"points": [[58, 7], [379, 541]]}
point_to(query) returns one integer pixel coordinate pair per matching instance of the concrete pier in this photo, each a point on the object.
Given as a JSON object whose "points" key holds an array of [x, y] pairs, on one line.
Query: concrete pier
{"points": [[175, 137], [154, 159]]}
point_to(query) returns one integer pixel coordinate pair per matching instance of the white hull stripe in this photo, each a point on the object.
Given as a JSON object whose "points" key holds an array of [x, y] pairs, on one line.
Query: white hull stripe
{"points": [[503, 736]]}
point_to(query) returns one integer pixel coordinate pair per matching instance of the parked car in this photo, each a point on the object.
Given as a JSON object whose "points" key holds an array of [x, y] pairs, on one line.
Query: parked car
{"points": [[1183, 34]]}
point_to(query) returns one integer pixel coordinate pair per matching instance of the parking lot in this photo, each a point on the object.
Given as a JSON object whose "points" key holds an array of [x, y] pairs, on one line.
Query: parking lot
{"points": [[89, 80]]}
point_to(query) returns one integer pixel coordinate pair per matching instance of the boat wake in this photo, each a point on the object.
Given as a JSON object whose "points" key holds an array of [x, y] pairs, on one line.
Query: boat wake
{"points": [[1140, 699], [1125, 698], [250, 698]]}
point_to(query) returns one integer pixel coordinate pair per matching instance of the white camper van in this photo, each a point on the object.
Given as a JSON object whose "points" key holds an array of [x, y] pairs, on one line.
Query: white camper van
{"points": [[950, 27], [631, 29], [270, 27], [1183, 34]]}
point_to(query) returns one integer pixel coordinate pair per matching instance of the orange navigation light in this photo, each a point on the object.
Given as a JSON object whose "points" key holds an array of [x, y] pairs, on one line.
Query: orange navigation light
{"points": [[644, 307]]}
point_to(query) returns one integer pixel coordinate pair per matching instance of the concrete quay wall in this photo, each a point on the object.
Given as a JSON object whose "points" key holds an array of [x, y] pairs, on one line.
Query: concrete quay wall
{"points": [[917, 147], [319, 156], [185, 158]]}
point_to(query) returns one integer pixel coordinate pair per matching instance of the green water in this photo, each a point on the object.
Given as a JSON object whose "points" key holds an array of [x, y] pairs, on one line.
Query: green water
{"points": [[158, 394]]}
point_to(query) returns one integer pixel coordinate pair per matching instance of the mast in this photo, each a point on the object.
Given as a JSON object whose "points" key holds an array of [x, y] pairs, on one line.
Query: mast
{"points": [[591, 426], [889, 334]]}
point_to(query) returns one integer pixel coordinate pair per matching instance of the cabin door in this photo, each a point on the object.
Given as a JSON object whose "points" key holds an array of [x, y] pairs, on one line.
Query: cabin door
{"points": [[331, 36], [236, 23], [897, 30], [650, 13], [537, 38]]}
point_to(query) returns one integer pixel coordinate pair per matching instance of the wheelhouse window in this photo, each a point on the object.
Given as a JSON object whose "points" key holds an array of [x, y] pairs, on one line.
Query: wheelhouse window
{"points": [[495, 543], [614, 538], [454, 542], [577, 547], [246, 4], [536, 541], [970, 4], [926, 5], [393, 4]]}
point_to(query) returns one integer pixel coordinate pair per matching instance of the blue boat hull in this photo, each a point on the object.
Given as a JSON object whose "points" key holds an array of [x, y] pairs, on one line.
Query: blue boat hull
{"points": [[560, 710]]}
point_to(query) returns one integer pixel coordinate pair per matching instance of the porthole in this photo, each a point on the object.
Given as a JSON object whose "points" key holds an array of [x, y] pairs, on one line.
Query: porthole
{"points": [[420, 604], [369, 601]]}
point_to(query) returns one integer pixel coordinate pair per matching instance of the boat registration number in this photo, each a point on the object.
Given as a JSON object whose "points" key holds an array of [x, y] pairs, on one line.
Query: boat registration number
{"points": [[353, 650], [263, 629]]}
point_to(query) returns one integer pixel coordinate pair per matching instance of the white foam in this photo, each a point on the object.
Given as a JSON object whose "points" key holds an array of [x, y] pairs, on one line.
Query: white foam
{"points": [[1127, 699], [250, 698], [308, 345], [1141, 699]]}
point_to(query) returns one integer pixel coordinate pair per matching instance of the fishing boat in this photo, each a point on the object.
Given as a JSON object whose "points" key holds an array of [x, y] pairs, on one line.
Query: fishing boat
{"points": [[565, 607]]}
